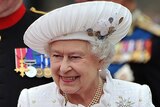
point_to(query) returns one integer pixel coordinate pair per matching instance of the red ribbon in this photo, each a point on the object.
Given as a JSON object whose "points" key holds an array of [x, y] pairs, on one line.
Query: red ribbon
{"points": [[20, 53]]}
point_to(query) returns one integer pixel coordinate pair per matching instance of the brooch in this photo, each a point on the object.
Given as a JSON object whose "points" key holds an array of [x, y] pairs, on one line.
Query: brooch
{"points": [[105, 28], [124, 102]]}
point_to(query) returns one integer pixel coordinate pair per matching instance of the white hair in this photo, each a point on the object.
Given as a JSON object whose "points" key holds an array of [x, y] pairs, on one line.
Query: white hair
{"points": [[104, 52]]}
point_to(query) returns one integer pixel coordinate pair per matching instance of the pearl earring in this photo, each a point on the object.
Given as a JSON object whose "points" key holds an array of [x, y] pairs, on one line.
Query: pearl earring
{"points": [[100, 70]]}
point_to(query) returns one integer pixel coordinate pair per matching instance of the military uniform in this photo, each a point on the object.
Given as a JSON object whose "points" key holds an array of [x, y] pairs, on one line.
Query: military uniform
{"points": [[12, 29], [140, 50]]}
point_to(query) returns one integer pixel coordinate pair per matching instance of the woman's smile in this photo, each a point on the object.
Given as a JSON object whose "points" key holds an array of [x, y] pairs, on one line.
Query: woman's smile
{"points": [[69, 79]]}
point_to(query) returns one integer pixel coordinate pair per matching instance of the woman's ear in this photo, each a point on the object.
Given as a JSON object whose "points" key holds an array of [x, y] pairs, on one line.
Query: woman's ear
{"points": [[101, 64]]}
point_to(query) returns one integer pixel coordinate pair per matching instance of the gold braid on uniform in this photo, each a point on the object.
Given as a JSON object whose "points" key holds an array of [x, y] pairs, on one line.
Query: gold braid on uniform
{"points": [[146, 23], [37, 11]]}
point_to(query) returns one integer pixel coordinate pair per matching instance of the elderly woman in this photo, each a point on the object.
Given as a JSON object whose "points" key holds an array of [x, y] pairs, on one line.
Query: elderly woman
{"points": [[79, 39]]}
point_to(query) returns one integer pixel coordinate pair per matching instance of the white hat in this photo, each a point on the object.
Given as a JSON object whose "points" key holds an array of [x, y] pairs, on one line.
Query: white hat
{"points": [[93, 21]]}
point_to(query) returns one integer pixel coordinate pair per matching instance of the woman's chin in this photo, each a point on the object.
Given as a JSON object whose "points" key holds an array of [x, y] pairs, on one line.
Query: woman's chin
{"points": [[69, 91]]}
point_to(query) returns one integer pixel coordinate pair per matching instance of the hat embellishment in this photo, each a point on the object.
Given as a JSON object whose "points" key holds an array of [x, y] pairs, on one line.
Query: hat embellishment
{"points": [[104, 28]]}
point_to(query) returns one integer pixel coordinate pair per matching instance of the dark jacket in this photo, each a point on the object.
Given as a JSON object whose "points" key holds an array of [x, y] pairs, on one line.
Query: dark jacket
{"points": [[11, 83]]}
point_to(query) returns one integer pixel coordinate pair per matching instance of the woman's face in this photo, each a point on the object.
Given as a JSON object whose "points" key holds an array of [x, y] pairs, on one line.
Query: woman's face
{"points": [[74, 67]]}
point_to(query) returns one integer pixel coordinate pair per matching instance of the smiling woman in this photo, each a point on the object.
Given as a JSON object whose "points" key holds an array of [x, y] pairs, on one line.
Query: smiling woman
{"points": [[80, 45], [73, 61]]}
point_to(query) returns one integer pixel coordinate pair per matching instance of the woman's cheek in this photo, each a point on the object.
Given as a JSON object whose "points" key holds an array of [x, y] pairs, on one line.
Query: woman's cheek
{"points": [[55, 73], [54, 69]]}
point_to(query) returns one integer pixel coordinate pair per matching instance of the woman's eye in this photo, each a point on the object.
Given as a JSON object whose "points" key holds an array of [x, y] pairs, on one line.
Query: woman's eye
{"points": [[57, 58], [75, 57]]}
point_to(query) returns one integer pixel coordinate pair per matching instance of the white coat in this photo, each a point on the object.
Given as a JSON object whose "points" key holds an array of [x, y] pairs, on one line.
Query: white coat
{"points": [[117, 93]]}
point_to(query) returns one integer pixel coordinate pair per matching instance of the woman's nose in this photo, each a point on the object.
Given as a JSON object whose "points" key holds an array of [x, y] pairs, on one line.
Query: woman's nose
{"points": [[65, 66]]}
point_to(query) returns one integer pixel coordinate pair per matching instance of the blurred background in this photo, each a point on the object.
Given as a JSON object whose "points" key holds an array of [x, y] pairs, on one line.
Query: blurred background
{"points": [[149, 7]]}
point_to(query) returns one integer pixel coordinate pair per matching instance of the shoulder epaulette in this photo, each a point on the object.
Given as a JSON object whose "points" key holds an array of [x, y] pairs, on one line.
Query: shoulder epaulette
{"points": [[147, 24], [37, 11]]}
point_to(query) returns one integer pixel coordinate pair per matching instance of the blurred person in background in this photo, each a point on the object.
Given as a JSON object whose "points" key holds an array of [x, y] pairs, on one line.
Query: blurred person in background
{"points": [[141, 60], [137, 55], [14, 20]]}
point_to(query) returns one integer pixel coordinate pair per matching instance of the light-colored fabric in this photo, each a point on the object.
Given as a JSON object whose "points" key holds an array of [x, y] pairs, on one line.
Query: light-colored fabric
{"points": [[96, 21], [117, 93]]}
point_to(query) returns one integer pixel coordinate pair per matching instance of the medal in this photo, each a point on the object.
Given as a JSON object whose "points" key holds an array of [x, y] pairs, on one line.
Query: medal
{"points": [[131, 46], [21, 69], [30, 61], [124, 54], [19, 56], [31, 72], [47, 73], [40, 65], [148, 46], [39, 72], [47, 70]]}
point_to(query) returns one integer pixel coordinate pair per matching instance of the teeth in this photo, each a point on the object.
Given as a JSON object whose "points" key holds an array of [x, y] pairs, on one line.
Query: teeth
{"points": [[69, 78]]}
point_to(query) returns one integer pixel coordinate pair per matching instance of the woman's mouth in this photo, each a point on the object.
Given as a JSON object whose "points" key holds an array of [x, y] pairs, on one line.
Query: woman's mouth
{"points": [[69, 78]]}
